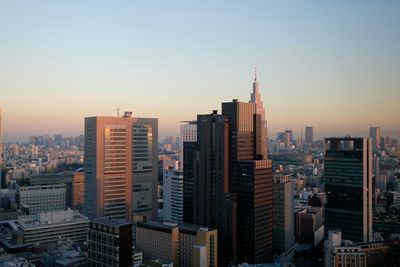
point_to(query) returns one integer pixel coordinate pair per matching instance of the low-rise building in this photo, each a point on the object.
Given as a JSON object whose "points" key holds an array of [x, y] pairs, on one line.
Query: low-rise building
{"points": [[43, 229]]}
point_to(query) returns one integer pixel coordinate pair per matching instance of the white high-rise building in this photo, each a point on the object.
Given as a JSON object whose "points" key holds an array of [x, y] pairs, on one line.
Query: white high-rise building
{"points": [[173, 195], [256, 98]]}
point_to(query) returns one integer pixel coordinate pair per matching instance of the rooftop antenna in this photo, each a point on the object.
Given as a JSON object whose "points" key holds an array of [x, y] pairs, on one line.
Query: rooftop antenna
{"points": [[118, 112]]}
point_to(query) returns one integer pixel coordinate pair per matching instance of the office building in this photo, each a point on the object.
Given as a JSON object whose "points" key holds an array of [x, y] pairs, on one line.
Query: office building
{"points": [[110, 243], [188, 148], [260, 109], [53, 179], [78, 189], [197, 246], [345, 253], [310, 226], [211, 206], [375, 135], [39, 198], [309, 135], [145, 167], [248, 172], [108, 166], [283, 218], [288, 138], [44, 229], [190, 160], [348, 186], [158, 241], [173, 195], [180, 244], [255, 211], [232, 189], [188, 133]]}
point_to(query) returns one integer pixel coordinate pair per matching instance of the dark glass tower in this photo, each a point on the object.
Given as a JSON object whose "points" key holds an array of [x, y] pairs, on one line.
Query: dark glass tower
{"points": [[232, 187], [255, 211], [189, 161], [251, 178], [211, 180], [348, 185]]}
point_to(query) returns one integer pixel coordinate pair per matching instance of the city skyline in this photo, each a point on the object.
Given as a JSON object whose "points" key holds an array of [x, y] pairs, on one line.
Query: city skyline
{"points": [[332, 66]]}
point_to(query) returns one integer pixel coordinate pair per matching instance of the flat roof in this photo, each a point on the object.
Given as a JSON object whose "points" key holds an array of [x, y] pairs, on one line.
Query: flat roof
{"points": [[111, 222]]}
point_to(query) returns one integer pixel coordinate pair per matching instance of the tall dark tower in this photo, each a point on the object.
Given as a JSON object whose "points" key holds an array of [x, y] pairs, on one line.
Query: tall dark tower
{"points": [[251, 179], [348, 185], [212, 200], [232, 184]]}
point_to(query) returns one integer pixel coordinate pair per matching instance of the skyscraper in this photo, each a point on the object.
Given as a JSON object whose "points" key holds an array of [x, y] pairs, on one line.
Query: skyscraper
{"points": [[108, 167], [121, 157], [173, 195], [190, 161], [144, 167], [309, 135], [375, 135], [255, 98], [188, 133], [255, 211], [251, 180], [348, 186]]}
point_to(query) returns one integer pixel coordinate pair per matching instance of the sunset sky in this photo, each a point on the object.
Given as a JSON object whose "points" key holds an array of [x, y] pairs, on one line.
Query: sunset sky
{"points": [[334, 65]]}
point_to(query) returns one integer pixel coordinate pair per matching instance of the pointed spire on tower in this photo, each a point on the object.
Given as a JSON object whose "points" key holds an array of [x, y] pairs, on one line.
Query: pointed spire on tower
{"points": [[255, 74]]}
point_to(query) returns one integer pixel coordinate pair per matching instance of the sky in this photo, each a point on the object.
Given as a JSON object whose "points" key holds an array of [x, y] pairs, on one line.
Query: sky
{"points": [[334, 65]]}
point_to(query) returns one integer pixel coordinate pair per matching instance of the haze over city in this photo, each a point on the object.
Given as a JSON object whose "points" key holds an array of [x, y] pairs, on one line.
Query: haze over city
{"points": [[331, 65]]}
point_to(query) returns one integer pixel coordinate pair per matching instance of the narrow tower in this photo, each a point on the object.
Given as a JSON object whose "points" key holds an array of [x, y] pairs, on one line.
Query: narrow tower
{"points": [[255, 98]]}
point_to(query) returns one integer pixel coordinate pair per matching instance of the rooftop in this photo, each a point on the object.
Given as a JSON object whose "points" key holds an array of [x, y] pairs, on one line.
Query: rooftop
{"points": [[111, 222]]}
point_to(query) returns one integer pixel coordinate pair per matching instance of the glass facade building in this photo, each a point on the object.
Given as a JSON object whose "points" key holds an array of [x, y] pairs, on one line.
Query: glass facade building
{"points": [[348, 186]]}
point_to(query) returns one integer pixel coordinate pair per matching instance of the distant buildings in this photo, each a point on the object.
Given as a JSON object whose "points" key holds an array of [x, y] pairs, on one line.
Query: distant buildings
{"points": [[348, 186], [309, 135], [288, 138], [375, 135], [110, 243]]}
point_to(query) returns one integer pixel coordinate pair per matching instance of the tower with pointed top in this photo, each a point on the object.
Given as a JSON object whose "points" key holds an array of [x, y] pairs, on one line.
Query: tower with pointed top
{"points": [[255, 98]]}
